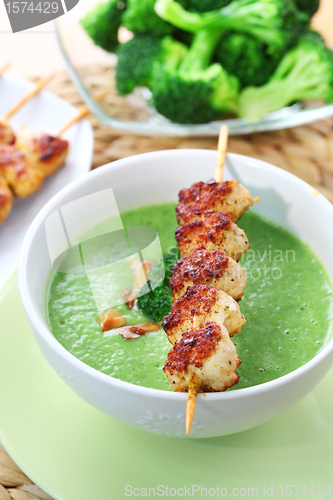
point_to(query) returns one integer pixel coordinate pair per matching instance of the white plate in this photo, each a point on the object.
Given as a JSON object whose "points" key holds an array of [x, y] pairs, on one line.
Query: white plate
{"points": [[46, 112]]}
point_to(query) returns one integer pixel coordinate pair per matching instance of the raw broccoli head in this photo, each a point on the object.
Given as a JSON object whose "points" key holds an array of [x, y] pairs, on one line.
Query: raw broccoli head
{"points": [[308, 6], [140, 17], [137, 57], [198, 97], [195, 92], [102, 23], [157, 303], [304, 73], [247, 58], [274, 22]]}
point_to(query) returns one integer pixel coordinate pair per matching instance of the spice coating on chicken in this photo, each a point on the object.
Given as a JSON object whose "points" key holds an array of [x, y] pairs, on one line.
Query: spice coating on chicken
{"points": [[202, 304], [212, 268], [215, 231], [45, 152], [206, 354], [228, 196], [7, 135], [6, 200], [23, 178]]}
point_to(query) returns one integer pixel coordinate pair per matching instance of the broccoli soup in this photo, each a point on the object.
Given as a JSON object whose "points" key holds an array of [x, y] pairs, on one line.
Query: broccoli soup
{"points": [[288, 306]]}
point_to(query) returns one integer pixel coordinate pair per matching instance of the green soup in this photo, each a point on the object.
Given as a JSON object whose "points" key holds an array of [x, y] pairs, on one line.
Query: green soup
{"points": [[288, 305]]}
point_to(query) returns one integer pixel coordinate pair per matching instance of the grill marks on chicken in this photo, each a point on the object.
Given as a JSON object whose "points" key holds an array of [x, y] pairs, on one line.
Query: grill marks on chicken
{"points": [[23, 178], [212, 268], [45, 152], [215, 231], [207, 354], [228, 196], [202, 304]]}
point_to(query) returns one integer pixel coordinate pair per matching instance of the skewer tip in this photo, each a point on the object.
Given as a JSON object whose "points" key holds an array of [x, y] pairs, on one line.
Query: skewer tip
{"points": [[191, 401]]}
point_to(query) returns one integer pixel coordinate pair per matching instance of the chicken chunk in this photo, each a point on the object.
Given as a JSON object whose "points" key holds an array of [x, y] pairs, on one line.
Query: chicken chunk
{"points": [[6, 200], [207, 355], [23, 178], [7, 136], [215, 231], [211, 268], [199, 305], [228, 196], [45, 152]]}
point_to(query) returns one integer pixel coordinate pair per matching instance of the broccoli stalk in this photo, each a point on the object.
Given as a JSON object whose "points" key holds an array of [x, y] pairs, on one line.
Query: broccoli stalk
{"points": [[137, 57], [102, 23], [274, 22], [196, 91], [305, 72]]}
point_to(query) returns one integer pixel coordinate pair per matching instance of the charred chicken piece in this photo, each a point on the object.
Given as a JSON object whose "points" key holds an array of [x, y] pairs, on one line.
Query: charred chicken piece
{"points": [[23, 178], [45, 152], [206, 355], [215, 231], [212, 268], [199, 305], [228, 196], [6, 200]]}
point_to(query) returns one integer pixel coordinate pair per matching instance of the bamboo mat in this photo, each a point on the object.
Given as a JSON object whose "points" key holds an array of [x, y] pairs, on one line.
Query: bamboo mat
{"points": [[305, 151]]}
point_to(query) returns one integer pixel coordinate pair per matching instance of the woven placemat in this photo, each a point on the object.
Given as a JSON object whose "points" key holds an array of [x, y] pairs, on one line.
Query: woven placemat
{"points": [[305, 151]]}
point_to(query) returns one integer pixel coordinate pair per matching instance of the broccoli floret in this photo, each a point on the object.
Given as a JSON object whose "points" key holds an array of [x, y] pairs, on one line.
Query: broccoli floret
{"points": [[195, 92], [247, 58], [136, 59], [274, 22], [140, 17], [102, 23], [305, 72], [308, 6], [157, 303]]}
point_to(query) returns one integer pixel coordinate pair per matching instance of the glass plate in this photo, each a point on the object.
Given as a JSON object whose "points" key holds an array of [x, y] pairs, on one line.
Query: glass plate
{"points": [[133, 114]]}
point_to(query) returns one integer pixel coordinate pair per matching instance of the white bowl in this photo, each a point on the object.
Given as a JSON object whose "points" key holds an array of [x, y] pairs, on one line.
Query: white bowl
{"points": [[155, 178]]}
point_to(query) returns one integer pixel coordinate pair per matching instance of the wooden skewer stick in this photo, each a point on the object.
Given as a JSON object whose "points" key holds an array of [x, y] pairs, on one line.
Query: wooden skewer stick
{"points": [[4, 68], [191, 401], [193, 384], [39, 85], [221, 152], [82, 112]]}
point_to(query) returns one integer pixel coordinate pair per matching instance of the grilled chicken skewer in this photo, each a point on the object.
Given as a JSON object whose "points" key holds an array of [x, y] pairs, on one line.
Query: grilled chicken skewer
{"points": [[204, 284], [228, 196]]}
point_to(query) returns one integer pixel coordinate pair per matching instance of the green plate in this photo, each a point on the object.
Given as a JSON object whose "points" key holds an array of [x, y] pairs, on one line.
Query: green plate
{"points": [[75, 452]]}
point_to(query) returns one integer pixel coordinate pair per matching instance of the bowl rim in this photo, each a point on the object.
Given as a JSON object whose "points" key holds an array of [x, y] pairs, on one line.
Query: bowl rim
{"points": [[45, 333]]}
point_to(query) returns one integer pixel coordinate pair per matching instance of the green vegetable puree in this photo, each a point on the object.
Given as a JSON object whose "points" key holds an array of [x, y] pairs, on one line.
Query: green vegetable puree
{"points": [[288, 305]]}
